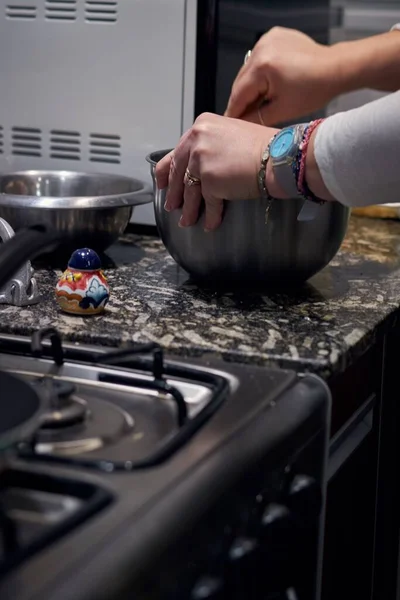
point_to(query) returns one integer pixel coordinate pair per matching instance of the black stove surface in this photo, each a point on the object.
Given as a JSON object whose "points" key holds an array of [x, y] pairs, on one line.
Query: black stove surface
{"points": [[118, 470]]}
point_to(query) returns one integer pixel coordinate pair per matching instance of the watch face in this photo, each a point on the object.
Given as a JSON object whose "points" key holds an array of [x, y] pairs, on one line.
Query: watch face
{"points": [[282, 143]]}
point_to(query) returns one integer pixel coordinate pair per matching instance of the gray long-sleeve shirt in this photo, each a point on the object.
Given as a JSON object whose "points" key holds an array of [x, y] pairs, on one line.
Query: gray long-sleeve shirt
{"points": [[358, 153]]}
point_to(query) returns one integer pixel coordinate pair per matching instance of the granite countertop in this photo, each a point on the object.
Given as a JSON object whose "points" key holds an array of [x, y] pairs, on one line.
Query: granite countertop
{"points": [[320, 327]]}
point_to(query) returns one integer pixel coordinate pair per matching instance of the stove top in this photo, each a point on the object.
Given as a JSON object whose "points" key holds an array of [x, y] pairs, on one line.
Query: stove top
{"points": [[109, 417], [123, 450]]}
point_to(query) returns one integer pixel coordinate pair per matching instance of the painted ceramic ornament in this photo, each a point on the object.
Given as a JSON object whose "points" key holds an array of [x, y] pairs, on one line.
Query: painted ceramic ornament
{"points": [[83, 289]]}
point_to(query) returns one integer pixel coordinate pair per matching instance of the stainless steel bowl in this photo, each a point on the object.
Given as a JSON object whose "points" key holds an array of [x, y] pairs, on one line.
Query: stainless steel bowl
{"points": [[278, 248], [92, 209]]}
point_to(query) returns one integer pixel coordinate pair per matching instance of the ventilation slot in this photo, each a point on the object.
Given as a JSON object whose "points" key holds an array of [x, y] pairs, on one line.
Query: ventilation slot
{"points": [[105, 148], [65, 144], [101, 11], [26, 141], [20, 11], [1, 140], [61, 10]]}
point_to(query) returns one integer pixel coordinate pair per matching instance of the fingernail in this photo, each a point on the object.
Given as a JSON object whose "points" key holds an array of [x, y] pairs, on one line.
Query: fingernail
{"points": [[167, 206], [182, 222]]}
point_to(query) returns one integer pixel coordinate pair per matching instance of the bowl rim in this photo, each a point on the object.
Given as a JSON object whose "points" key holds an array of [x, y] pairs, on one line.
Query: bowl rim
{"points": [[143, 195], [163, 151]]}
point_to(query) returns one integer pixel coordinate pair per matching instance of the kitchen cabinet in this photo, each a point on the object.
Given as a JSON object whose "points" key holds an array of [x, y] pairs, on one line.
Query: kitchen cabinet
{"points": [[362, 524]]}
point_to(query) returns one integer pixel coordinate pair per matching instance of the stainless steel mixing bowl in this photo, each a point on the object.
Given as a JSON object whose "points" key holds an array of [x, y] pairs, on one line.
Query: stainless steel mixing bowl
{"points": [[279, 249], [92, 209]]}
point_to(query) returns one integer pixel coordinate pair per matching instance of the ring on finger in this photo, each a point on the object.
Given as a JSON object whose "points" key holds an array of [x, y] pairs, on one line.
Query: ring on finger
{"points": [[247, 56], [191, 179]]}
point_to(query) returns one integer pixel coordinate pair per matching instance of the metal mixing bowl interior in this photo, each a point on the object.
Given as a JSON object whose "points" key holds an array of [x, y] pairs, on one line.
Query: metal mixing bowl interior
{"points": [[89, 209], [69, 189]]}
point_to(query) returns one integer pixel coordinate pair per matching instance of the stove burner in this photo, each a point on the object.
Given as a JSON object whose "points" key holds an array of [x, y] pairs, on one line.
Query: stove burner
{"points": [[65, 409], [63, 389], [81, 427], [65, 416]]}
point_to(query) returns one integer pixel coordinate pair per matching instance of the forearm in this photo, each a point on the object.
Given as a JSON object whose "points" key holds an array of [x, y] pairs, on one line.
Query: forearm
{"points": [[354, 157], [373, 62]]}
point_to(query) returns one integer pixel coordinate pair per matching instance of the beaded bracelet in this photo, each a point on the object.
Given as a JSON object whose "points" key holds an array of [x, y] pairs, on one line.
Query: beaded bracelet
{"points": [[300, 167]]}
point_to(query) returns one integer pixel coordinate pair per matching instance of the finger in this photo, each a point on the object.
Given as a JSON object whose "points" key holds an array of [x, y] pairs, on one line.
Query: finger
{"points": [[162, 170], [178, 164], [214, 210], [191, 205], [243, 69], [246, 92]]}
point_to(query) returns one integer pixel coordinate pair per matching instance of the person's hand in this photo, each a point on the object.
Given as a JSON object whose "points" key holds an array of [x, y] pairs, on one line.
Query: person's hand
{"points": [[293, 74], [223, 156]]}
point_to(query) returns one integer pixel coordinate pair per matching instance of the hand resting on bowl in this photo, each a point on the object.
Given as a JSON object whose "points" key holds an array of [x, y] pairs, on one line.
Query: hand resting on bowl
{"points": [[223, 158]]}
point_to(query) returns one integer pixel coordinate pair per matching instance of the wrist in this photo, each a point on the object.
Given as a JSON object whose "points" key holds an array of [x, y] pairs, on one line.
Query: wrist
{"points": [[371, 62]]}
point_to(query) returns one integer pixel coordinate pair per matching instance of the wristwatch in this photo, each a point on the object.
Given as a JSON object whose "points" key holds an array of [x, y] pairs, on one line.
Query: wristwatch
{"points": [[283, 153]]}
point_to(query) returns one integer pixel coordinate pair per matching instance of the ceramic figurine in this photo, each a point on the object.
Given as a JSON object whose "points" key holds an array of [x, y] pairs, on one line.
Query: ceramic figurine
{"points": [[83, 288]]}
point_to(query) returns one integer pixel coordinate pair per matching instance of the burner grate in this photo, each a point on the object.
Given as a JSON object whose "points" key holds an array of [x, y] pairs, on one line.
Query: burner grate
{"points": [[35, 510], [154, 395]]}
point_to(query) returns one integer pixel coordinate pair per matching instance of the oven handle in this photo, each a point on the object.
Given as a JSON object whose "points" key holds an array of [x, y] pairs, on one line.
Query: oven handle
{"points": [[350, 437], [24, 245]]}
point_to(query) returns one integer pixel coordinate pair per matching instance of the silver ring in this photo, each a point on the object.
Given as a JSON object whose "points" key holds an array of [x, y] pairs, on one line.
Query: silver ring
{"points": [[191, 179], [247, 56]]}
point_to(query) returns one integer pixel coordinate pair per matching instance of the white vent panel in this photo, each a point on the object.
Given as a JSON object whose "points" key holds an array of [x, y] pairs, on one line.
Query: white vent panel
{"points": [[99, 11], [60, 10], [20, 11], [105, 148], [79, 79], [65, 144], [26, 141]]}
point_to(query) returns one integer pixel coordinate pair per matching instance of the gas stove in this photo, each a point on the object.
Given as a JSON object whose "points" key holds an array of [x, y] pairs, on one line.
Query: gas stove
{"points": [[141, 475]]}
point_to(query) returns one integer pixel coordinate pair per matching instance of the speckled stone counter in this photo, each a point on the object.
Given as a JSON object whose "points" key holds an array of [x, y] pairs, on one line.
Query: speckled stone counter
{"points": [[321, 327]]}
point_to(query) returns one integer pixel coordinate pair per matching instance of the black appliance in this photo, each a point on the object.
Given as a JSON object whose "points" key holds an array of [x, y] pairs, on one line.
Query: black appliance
{"points": [[155, 478], [226, 29]]}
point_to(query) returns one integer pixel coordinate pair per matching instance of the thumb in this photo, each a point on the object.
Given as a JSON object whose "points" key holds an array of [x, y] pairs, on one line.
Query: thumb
{"points": [[214, 210], [245, 93]]}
